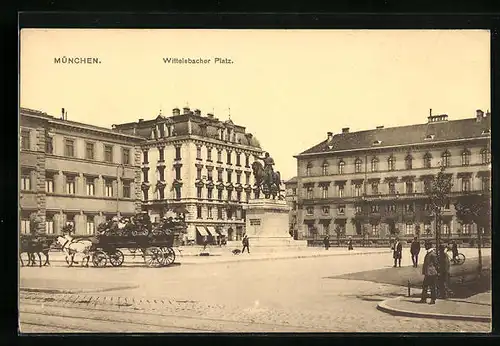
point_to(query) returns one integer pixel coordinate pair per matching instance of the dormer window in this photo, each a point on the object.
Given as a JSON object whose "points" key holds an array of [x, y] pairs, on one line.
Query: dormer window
{"points": [[357, 165], [325, 168], [341, 167], [465, 157], [429, 137], [308, 169], [377, 142]]}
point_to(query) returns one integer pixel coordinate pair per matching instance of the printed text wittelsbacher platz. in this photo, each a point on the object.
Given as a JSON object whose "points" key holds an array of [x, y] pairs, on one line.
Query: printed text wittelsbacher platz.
{"points": [[201, 61]]}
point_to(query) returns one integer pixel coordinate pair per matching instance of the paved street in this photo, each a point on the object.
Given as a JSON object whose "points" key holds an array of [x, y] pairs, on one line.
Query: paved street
{"points": [[278, 295]]}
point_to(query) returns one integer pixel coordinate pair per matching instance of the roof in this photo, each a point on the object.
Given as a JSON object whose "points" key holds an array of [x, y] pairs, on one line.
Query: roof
{"points": [[404, 135], [292, 181]]}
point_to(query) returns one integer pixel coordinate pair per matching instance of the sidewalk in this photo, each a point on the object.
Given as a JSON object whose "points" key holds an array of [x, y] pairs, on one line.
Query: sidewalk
{"points": [[69, 286], [476, 308]]}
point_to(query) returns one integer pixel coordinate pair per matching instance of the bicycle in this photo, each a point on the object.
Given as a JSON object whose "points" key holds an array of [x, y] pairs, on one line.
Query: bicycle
{"points": [[458, 260]]}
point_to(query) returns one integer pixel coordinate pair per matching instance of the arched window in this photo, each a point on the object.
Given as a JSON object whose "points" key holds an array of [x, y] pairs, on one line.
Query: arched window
{"points": [[485, 156], [408, 162], [427, 160], [308, 169], [357, 165], [465, 157], [341, 167], [325, 168], [445, 159], [391, 163], [374, 164]]}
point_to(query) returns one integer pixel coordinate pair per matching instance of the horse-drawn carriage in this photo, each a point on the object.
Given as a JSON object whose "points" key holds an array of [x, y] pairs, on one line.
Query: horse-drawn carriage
{"points": [[31, 245]]}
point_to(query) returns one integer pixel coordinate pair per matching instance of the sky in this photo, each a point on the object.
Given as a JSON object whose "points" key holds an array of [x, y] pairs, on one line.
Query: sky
{"points": [[287, 87]]}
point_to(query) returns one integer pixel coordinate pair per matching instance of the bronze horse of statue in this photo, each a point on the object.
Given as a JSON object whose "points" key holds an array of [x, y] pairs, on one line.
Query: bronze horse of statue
{"points": [[270, 186]]}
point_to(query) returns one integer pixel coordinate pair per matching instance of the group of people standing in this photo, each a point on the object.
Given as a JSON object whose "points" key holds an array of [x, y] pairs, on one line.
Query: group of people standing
{"points": [[326, 242]]}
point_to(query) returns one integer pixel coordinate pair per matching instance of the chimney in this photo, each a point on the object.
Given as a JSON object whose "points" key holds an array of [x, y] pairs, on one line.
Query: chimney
{"points": [[329, 136], [380, 127], [176, 111], [197, 112], [479, 115], [141, 120], [186, 110], [62, 113], [345, 130], [210, 115]]}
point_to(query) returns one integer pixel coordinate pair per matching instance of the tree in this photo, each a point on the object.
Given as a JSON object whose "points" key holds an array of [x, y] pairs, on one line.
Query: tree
{"points": [[365, 233], [339, 231], [475, 208]]}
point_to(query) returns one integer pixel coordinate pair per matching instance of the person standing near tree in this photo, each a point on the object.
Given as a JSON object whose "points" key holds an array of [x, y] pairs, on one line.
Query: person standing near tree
{"points": [[415, 250], [443, 273], [429, 270], [397, 252]]}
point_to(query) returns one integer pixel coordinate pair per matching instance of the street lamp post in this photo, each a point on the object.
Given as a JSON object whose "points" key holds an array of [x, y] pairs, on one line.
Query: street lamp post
{"points": [[118, 185]]}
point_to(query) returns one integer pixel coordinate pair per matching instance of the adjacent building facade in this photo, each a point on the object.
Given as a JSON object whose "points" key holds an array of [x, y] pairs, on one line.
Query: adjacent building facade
{"points": [[291, 198], [199, 164], [75, 173], [376, 180]]}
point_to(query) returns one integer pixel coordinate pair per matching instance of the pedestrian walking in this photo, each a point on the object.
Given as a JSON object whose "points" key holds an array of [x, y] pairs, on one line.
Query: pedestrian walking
{"points": [[326, 241], [415, 250], [349, 244], [443, 273], [454, 250], [205, 242], [397, 252], [245, 244], [429, 270]]}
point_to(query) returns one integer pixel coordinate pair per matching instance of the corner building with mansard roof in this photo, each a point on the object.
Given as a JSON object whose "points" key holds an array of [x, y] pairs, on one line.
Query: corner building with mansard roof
{"points": [[376, 179], [196, 163], [75, 173]]}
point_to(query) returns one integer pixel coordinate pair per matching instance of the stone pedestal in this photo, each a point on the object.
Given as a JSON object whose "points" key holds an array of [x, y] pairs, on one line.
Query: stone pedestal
{"points": [[267, 226]]}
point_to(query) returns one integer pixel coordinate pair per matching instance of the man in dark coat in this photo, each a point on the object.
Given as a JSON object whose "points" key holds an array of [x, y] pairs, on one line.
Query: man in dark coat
{"points": [[415, 250], [443, 273], [397, 252], [454, 250], [245, 244], [430, 272], [326, 242]]}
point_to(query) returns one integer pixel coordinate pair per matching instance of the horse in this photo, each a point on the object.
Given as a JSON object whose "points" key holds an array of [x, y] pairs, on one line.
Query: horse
{"points": [[261, 180], [72, 246], [32, 246]]}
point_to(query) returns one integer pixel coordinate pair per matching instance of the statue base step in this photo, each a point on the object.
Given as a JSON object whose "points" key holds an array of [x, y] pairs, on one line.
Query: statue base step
{"points": [[270, 244]]}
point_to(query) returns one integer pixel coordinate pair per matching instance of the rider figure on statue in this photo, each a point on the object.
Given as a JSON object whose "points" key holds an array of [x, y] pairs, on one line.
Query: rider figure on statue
{"points": [[268, 167]]}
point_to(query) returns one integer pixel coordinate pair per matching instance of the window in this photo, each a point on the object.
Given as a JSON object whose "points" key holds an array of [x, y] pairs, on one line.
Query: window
{"points": [[485, 156], [324, 191], [247, 196], [209, 175], [49, 224], [108, 153], [447, 205], [391, 208], [89, 151], [210, 193], [177, 153], [427, 207], [198, 192], [49, 183], [219, 156], [49, 145], [238, 159], [392, 188], [198, 173], [309, 210], [408, 208], [325, 168], [126, 156], [374, 164], [219, 213], [229, 194], [357, 166], [145, 156], [375, 230], [374, 188], [465, 158], [391, 163], [177, 192], [238, 177], [309, 192], [219, 195], [427, 160], [341, 167], [178, 173], [247, 177], [209, 212], [408, 162], [198, 152], [126, 189], [341, 190], [247, 160], [90, 225], [26, 181], [358, 209], [209, 154], [294, 191], [308, 170], [427, 185], [341, 210], [89, 182], [427, 226], [198, 212], [325, 210], [108, 188], [25, 139], [375, 208], [25, 225], [485, 184], [445, 159], [69, 147], [465, 184], [466, 228], [446, 229], [409, 229], [357, 190], [409, 187], [219, 175], [70, 185], [228, 154], [229, 176], [238, 196]]}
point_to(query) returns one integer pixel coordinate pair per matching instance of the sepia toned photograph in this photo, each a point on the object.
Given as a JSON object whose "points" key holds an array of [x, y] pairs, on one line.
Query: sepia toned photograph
{"points": [[254, 181]]}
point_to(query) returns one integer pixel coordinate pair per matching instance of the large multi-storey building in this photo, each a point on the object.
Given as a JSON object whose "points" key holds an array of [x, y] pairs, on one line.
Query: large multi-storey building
{"points": [[199, 164], [376, 180], [75, 173], [291, 199]]}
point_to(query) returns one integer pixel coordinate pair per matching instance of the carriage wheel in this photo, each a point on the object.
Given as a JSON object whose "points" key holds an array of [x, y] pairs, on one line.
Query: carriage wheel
{"points": [[99, 259], [168, 256], [460, 259], [116, 258], [153, 257]]}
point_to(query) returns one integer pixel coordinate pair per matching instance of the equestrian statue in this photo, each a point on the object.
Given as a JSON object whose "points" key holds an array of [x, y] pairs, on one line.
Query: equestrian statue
{"points": [[267, 180]]}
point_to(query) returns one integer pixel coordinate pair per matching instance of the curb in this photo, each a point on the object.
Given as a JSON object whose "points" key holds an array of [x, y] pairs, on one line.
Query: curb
{"points": [[73, 291], [383, 306]]}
